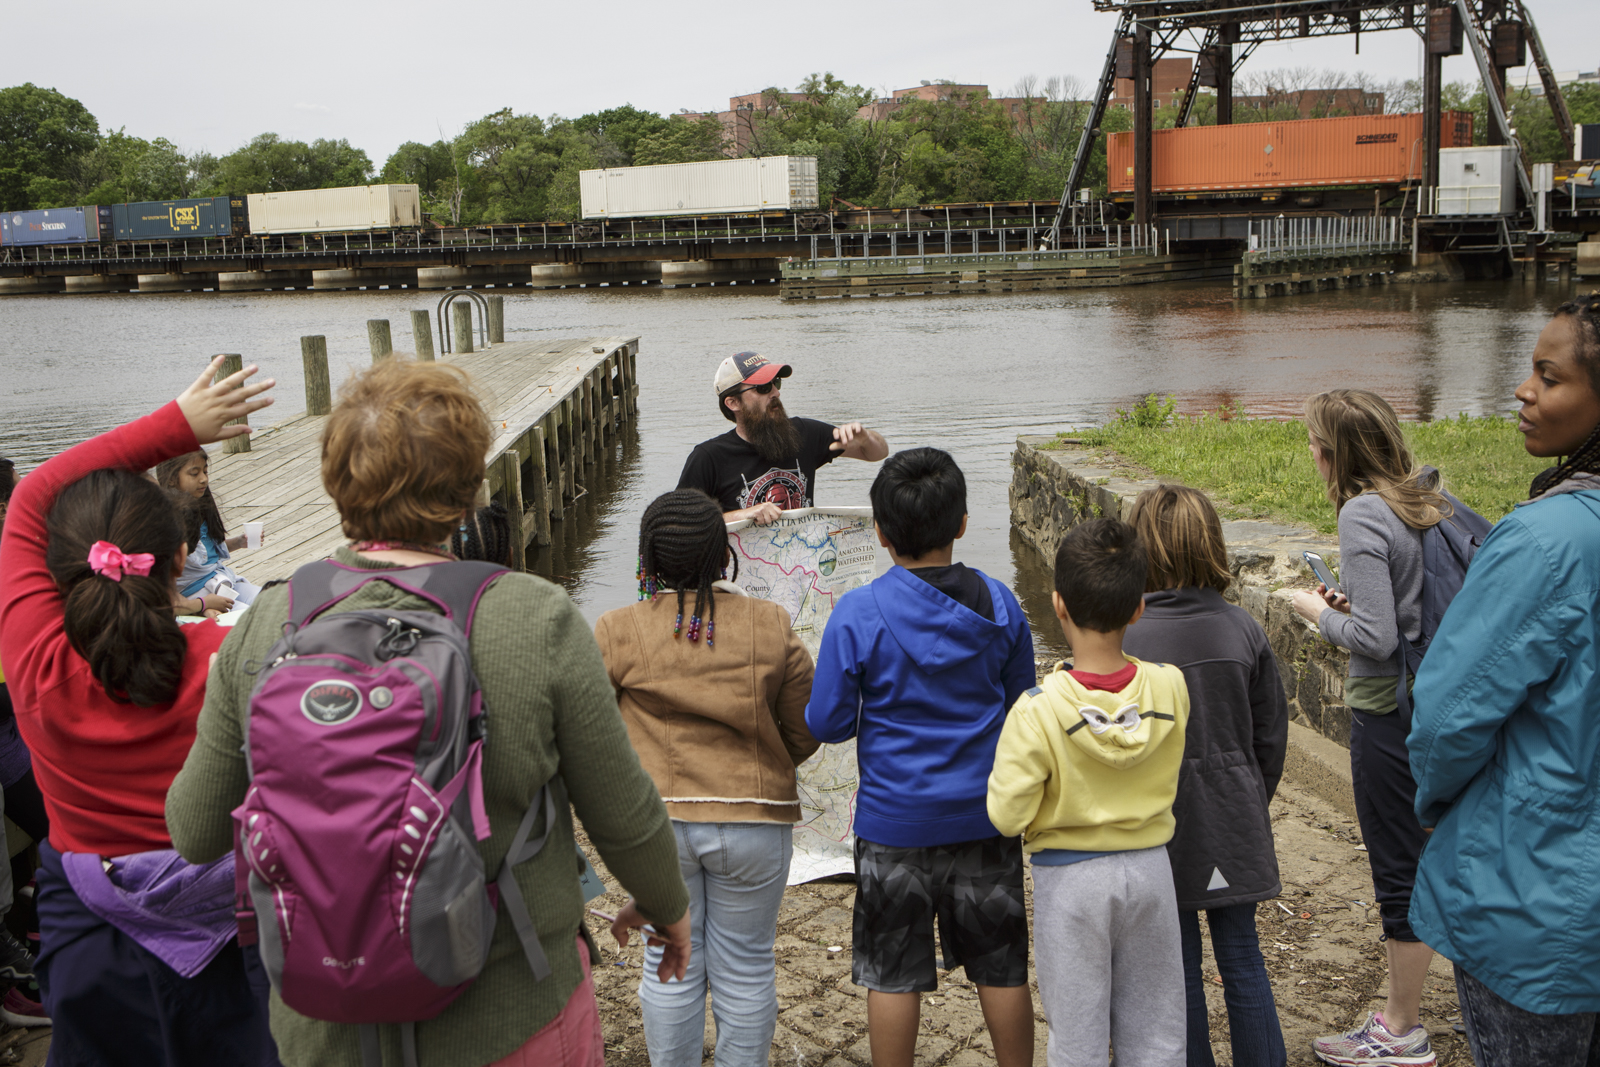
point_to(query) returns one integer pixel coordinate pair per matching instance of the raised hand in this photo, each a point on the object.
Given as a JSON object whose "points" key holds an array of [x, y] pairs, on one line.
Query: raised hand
{"points": [[210, 406]]}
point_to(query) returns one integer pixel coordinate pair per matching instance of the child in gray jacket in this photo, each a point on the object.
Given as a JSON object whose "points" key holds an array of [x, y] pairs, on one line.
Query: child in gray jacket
{"points": [[1222, 854]]}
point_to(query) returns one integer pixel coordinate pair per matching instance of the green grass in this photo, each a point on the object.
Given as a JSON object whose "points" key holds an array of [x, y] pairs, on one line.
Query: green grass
{"points": [[1262, 469]]}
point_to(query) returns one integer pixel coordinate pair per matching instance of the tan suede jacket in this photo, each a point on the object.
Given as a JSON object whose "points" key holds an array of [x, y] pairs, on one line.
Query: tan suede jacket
{"points": [[719, 729]]}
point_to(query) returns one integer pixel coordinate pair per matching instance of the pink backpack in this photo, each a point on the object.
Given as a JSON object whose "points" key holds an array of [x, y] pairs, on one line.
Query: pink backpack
{"points": [[360, 827]]}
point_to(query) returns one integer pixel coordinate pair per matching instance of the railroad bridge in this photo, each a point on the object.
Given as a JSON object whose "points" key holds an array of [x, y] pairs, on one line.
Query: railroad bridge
{"points": [[672, 251]]}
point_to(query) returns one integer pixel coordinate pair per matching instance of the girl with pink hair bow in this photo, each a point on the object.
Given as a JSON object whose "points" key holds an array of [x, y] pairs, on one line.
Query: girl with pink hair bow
{"points": [[107, 688]]}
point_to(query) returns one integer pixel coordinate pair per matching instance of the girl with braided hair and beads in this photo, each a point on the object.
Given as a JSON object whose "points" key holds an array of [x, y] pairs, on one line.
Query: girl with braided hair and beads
{"points": [[713, 685], [1505, 739]]}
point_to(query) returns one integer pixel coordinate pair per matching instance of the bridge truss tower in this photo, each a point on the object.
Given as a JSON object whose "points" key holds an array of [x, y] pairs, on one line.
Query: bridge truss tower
{"points": [[1222, 34]]}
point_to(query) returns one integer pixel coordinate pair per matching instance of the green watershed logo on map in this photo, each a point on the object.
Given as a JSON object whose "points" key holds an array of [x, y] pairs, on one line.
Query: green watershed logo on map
{"points": [[827, 559]]}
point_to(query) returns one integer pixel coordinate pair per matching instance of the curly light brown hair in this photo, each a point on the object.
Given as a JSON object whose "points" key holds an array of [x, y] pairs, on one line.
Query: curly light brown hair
{"points": [[403, 451]]}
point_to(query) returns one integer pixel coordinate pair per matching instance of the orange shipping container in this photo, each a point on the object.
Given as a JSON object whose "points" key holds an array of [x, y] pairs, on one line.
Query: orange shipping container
{"points": [[1350, 150]]}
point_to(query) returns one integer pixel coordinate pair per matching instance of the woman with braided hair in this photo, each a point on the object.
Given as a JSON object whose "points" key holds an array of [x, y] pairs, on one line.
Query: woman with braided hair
{"points": [[713, 686], [485, 535], [1505, 740]]}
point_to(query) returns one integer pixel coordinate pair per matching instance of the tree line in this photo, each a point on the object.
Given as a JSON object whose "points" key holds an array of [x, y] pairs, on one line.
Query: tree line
{"points": [[510, 166]]}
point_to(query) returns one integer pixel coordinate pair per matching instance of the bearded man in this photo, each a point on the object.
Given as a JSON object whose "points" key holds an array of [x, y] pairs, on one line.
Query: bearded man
{"points": [[767, 463]]}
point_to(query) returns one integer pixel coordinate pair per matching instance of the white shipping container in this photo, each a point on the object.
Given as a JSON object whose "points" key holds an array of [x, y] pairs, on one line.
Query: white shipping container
{"points": [[715, 187], [1478, 181], [355, 207]]}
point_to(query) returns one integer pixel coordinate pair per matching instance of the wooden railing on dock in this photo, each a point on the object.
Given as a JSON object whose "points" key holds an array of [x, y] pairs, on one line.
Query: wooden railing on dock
{"points": [[554, 405]]}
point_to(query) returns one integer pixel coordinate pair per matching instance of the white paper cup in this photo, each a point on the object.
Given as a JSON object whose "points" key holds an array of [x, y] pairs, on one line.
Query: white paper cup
{"points": [[252, 534]]}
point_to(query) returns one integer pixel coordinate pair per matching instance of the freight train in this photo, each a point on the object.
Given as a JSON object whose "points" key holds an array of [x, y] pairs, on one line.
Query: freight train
{"points": [[356, 209]]}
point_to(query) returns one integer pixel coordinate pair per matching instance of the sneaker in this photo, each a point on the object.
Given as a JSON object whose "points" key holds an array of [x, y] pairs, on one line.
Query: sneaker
{"points": [[1371, 1044], [16, 962], [17, 1009]]}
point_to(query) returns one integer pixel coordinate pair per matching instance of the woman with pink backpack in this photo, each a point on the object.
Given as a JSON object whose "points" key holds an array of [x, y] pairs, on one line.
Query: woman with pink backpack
{"points": [[526, 722]]}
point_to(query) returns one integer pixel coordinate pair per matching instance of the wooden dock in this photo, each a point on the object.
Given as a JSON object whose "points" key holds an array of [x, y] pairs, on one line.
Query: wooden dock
{"points": [[554, 405]]}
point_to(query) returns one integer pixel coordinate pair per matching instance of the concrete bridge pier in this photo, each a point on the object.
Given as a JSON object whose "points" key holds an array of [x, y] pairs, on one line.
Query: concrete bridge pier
{"points": [[102, 283], [675, 275], [35, 284], [500, 277], [622, 272], [252, 281], [365, 278], [181, 282]]}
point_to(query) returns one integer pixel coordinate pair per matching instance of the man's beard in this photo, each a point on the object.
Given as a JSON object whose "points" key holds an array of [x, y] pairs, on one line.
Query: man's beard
{"points": [[772, 434]]}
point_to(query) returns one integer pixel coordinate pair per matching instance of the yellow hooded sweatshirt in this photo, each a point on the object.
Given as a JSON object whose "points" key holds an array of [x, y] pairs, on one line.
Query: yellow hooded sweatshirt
{"points": [[1089, 770]]}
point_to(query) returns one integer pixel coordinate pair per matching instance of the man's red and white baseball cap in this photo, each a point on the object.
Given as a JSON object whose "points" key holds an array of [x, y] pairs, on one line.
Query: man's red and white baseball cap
{"points": [[748, 368]]}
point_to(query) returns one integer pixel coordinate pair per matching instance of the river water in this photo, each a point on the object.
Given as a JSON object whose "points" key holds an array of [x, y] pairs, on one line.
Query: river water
{"points": [[967, 374]]}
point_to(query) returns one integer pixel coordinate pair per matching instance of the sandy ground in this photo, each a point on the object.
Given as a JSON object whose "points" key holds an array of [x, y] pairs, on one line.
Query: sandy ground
{"points": [[1320, 940]]}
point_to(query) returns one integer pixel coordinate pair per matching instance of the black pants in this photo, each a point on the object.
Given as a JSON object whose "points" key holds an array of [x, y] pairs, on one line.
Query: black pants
{"points": [[25, 807], [1386, 795], [112, 1002], [1504, 1035]]}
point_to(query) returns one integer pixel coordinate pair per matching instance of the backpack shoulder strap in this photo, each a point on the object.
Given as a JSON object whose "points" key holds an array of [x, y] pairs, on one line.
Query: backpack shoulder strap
{"points": [[453, 588], [522, 849]]}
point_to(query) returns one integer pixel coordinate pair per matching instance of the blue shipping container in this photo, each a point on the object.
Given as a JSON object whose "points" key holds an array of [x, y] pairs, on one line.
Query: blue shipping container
{"points": [[209, 217], [55, 225]]}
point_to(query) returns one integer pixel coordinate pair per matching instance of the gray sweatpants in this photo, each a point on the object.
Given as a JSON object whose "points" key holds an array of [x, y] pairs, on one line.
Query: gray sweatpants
{"points": [[1109, 959]]}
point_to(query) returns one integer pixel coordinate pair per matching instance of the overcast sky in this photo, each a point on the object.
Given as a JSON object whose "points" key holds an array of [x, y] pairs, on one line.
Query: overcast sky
{"points": [[380, 74]]}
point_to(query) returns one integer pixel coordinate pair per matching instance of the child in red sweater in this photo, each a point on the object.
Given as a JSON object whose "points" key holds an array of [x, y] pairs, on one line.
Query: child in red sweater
{"points": [[107, 688]]}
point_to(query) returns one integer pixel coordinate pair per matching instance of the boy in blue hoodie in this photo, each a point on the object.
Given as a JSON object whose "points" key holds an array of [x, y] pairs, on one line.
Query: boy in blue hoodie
{"points": [[920, 667]]}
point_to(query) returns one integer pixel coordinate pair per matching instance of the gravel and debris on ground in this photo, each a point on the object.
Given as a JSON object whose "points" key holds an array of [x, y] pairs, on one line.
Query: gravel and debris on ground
{"points": [[1320, 941]]}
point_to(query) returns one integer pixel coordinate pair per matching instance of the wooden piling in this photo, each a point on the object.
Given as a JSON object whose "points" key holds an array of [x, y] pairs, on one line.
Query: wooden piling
{"points": [[511, 472], [625, 379], [586, 419], [422, 335], [550, 429], [233, 363], [568, 425], [541, 489], [630, 393], [314, 357], [461, 321], [378, 339], [609, 393], [497, 319]]}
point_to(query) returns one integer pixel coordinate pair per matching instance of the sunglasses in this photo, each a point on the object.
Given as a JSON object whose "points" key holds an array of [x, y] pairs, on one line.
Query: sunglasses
{"points": [[776, 383]]}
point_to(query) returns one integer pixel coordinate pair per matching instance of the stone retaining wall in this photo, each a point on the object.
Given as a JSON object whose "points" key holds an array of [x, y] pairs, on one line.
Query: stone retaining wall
{"points": [[1057, 483]]}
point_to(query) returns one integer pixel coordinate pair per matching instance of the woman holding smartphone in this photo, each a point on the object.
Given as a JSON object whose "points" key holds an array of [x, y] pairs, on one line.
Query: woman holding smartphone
{"points": [[1384, 502]]}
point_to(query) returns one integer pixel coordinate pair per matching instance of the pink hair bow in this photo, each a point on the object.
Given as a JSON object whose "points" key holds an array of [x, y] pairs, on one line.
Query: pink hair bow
{"points": [[107, 559]]}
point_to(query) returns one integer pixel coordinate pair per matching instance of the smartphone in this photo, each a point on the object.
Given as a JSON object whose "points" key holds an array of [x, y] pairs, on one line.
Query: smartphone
{"points": [[1320, 568]]}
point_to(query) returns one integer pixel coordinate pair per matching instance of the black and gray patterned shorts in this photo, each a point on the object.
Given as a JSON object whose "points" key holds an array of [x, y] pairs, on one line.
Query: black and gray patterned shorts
{"points": [[973, 888]]}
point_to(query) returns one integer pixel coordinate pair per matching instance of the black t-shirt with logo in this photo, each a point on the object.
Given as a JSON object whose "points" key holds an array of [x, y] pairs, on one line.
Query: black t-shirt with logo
{"points": [[730, 471]]}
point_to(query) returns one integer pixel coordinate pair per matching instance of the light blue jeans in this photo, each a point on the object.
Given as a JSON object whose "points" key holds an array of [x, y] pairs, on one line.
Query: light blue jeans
{"points": [[736, 872]]}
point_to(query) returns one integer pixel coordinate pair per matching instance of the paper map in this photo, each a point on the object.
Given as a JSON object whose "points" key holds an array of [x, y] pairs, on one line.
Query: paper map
{"points": [[805, 561]]}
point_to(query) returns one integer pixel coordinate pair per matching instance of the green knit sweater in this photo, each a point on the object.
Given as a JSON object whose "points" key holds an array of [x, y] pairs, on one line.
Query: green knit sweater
{"points": [[553, 709]]}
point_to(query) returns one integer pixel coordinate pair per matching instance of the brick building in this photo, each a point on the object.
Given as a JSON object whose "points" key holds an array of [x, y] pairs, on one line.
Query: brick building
{"points": [[1169, 82]]}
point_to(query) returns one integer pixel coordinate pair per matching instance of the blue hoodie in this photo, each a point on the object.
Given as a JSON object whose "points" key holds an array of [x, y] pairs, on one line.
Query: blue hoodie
{"points": [[923, 683]]}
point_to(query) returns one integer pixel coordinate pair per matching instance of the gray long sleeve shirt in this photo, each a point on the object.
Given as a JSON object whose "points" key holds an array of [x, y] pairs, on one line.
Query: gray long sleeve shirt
{"points": [[1380, 568]]}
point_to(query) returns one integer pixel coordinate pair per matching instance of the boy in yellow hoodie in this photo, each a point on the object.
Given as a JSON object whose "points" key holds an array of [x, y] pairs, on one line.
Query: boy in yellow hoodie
{"points": [[1086, 770]]}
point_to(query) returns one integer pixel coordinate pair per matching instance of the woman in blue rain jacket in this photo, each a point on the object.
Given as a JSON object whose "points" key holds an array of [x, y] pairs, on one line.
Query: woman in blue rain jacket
{"points": [[1505, 744]]}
